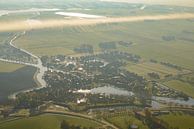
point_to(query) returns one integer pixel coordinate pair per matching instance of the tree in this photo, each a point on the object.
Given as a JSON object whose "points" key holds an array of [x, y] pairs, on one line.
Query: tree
{"points": [[148, 115], [64, 125]]}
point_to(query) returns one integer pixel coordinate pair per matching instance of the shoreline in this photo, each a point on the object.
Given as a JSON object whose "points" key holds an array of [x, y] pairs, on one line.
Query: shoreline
{"points": [[38, 75]]}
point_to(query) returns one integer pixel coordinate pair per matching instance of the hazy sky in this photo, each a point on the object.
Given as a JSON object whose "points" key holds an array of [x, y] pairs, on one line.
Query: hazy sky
{"points": [[189, 3], [165, 2]]}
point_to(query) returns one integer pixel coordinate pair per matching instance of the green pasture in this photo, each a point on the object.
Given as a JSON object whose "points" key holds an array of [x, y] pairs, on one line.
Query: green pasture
{"points": [[147, 67], [146, 37], [9, 67], [179, 120], [124, 121], [181, 86], [47, 121]]}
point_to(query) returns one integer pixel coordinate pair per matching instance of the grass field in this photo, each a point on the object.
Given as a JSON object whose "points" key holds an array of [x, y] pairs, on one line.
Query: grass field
{"points": [[8, 67], [148, 67], [146, 36], [47, 121], [181, 86], [188, 78], [124, 121], [181, 121]]}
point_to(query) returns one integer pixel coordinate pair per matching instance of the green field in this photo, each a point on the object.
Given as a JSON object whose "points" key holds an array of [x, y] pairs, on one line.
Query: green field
{"points": [[180, 121], [9, 67], [47, 121], [147, 67], [181, 86], [188, 78], [146, 37], [124, 121]]}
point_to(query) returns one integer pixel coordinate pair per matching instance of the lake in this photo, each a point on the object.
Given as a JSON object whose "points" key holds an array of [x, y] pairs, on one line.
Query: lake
{"points": [[107, 90]]}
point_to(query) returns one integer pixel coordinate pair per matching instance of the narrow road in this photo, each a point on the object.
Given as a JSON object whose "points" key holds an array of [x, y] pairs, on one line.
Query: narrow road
{"points": [[105, 123]]}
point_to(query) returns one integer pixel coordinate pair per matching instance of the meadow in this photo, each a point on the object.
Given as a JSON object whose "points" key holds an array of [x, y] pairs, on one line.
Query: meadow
{"points": [[146, 37], [124, 121], [181, 86], [9, 67], [179, 120], [148, 67], [47, 121]]}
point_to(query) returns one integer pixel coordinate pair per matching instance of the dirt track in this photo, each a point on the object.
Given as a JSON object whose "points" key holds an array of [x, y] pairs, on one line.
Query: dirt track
{"points": [[28, 25]]}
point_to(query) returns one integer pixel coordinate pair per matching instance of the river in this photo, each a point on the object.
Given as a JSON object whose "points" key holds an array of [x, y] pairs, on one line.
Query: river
{"points": [[40, 68], [178, 101]]}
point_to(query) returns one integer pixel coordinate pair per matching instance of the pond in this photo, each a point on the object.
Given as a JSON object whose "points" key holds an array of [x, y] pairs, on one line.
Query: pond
{"points": [[107, 90], [156, 101], [110, 90]]}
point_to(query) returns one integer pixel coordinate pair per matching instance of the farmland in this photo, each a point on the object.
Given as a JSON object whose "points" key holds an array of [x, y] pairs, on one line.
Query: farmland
{"points": [[146, 36], [179, 120], [124, 121], [8, 67], [47, 121], [148, 67], [181, 86]]}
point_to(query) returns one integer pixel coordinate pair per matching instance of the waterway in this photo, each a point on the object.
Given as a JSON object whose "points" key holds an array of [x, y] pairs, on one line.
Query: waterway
{"points": [[178, 101], [40, 68]]}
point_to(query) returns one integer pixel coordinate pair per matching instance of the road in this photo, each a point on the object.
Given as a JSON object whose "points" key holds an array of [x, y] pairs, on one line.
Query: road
{"points": [[105, 123]]}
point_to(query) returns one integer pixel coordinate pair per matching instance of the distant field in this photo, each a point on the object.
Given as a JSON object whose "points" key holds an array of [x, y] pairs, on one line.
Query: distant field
{"points": [[171, 41], [124, 121], [47, 121], [147, 38], [181, 86], [181, 121], [188, 78], [17, 80], [148, 67], [9, 67]]}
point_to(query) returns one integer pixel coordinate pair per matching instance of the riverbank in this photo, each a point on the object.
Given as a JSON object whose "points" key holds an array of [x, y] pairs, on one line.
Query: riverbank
{"points": [[38, 76], [16, 81]]}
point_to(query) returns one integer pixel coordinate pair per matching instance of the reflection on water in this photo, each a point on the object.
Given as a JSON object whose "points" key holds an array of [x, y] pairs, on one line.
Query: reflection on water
{"points": [[110, 90], [156, 105], [156, 100], [107, 90]]}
